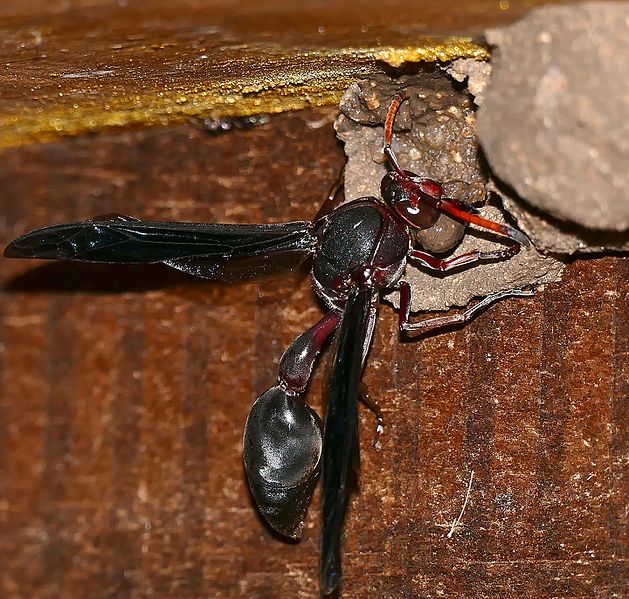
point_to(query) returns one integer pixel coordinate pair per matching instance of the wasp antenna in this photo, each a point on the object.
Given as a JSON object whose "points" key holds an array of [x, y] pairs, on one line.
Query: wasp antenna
{"points": [[447, 206], [388, 130]]}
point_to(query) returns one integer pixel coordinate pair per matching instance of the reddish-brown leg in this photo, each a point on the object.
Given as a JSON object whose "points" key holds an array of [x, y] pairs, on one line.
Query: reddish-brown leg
{"points": [[451, 319], [444, 264], [363, 394], [331, 202], [452, 208]]}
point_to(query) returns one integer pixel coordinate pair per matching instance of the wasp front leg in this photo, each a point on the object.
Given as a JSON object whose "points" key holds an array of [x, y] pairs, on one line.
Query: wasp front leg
{"points": [[469, 259]]}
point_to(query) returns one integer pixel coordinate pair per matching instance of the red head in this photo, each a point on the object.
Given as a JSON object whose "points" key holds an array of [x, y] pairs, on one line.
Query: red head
{"points": [[419, 201]]}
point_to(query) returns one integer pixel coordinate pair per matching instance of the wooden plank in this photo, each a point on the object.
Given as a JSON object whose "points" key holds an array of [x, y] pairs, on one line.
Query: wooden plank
{"points": [[124, 393], [78, 67]]}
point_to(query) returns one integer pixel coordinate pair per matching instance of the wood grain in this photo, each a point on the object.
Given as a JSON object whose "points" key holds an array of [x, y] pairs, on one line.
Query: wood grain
{"points": [[124, 391], [81, 66]]}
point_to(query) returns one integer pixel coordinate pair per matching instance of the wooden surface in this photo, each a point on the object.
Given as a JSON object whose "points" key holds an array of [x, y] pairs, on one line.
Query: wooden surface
{"points": [[124, 392], [78, 66]]}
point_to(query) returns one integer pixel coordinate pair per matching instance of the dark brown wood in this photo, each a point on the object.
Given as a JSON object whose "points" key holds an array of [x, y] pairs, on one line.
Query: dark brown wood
{"points": [[125, 390]]}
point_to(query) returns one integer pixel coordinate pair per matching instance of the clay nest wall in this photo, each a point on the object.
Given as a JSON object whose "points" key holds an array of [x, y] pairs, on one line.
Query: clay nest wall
{"points": [[538, 140]]}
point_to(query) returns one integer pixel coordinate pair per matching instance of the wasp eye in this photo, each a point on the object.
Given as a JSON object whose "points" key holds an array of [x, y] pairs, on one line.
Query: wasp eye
{"points": [[407, 204], [417, 214]]}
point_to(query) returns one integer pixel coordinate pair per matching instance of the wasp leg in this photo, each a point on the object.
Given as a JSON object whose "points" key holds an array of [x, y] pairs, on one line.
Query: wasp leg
{"points": [[470, 259], [363, 395], [331, 202], [453, 208], [452, 319]]}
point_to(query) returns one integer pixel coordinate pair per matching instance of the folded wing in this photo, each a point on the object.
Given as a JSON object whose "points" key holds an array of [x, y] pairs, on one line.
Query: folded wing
{"points": [[340, 436], [223, 251]]}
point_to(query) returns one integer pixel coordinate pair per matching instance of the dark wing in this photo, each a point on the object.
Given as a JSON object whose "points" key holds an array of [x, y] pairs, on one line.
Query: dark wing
{"points": [[340, 436], [204, 250]]}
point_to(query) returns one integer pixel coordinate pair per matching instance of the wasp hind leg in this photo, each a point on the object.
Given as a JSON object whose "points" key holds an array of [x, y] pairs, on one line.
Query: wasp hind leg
{"points": [[438, 322], [363, 395]]}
